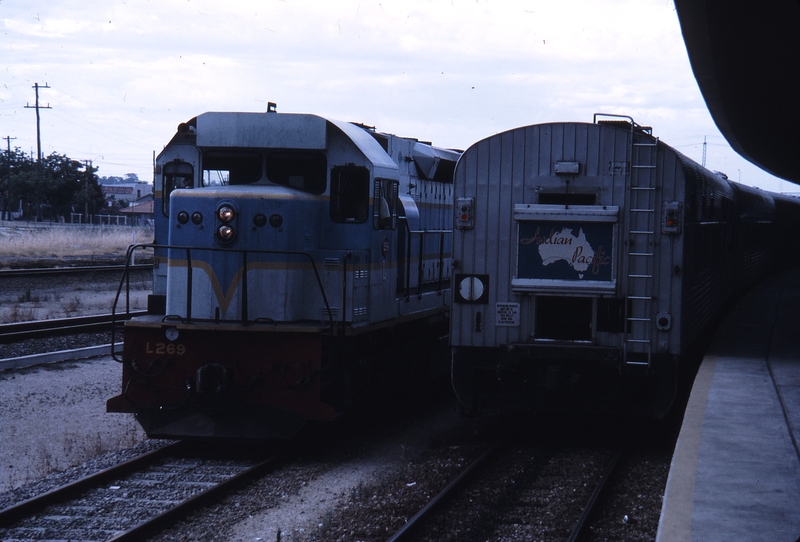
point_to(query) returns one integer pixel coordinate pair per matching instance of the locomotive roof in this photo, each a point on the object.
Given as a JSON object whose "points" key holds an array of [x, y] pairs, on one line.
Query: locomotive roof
{"points": [[281, 131], [366, 144], [273, 130]]}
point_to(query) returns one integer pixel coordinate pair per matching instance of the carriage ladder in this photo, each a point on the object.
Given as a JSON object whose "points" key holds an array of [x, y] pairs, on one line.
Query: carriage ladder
{"points": [[639, 265]]}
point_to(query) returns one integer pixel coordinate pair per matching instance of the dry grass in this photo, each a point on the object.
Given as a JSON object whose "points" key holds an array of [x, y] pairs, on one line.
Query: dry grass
{"points": [[20, 244], [58, 300], [23, 242]]}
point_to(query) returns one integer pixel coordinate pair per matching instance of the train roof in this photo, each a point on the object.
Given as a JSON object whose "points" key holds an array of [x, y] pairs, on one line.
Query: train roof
{"points": [[278, 131]]}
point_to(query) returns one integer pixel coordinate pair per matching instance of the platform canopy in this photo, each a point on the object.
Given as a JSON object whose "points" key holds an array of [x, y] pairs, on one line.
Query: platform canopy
{"points": [[746, 58]]}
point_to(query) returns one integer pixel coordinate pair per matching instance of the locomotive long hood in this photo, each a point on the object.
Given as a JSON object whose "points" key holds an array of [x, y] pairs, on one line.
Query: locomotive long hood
{"points": [[745, 57]]}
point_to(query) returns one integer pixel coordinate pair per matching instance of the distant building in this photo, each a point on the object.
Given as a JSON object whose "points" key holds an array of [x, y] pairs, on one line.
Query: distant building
{"points": [[141, 210], [127, 191]]}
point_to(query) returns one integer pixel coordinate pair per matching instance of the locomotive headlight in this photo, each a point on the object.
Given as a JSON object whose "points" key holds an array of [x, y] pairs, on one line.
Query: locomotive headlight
{"points": [[197, 217], [226, 213], [183, 217], [225, 233]]}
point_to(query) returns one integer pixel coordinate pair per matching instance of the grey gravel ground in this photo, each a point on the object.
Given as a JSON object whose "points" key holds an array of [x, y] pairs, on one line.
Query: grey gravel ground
{"points": [[54, 417]]}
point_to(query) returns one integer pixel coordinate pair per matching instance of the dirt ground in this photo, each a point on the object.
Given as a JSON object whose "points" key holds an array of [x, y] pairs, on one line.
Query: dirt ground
{"points": [[54, 417]]}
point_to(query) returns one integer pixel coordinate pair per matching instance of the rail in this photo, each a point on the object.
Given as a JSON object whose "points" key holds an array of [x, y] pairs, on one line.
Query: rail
{"points": [[579, 528], [70, 270], [443, 495], [37, 329], [35, 504], [170, 516], [583, 522], [94, 524]]}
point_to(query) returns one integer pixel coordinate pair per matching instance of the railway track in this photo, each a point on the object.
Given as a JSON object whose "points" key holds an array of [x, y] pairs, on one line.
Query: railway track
{"points": [[464, 501], [426, 511], [132, 500], [77, 270], [37, 305], [38, 329]]}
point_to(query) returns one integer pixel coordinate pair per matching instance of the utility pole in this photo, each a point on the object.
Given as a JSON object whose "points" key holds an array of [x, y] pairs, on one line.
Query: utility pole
{"points": [[38, 129], [6, 211], [89, 175]]}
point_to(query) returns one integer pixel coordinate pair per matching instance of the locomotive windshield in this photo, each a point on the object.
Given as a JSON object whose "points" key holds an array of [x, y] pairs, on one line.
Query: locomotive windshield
{"points": [[302, 170], [231, 167]]}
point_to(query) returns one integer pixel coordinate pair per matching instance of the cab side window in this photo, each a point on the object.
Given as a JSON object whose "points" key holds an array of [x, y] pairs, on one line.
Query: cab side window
{"points": [[176, 174], [384, 205], [349, 194]]}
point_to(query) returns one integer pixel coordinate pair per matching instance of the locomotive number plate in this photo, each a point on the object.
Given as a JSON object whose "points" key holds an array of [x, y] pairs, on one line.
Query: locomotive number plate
{"points": [[160, 349]]}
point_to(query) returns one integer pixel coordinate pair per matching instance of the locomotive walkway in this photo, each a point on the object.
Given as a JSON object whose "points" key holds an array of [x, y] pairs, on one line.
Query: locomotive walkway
{"points": [[735, 473]]}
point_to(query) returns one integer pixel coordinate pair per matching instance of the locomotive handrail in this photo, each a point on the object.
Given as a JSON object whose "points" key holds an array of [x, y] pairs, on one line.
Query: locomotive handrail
{"points": [[125, 280], [420, 261]]}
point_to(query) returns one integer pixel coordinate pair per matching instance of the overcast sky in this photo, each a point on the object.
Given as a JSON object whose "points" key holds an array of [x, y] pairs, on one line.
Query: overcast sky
{"points": [[124, 73]]}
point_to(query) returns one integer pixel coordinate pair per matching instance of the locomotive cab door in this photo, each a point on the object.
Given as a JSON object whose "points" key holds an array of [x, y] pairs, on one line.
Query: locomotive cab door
{"points": [[385, 221], [176, 167]]}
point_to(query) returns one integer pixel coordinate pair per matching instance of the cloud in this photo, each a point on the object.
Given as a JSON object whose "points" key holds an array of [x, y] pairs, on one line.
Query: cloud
{"points": [[124, 73]]}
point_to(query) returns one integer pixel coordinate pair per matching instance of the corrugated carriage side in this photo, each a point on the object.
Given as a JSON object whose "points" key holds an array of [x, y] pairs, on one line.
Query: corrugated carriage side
{"points": [[589, 258]]}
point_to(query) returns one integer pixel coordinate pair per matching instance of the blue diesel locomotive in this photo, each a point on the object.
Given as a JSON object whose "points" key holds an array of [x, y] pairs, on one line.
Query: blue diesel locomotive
{"points": [[295, 258]]}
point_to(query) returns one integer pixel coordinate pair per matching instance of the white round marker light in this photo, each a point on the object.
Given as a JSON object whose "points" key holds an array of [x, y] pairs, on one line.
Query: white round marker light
{"points": [[471, 288]]}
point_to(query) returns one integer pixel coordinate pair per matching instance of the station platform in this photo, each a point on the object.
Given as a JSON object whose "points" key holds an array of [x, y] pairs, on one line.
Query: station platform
{"points": [[735, 473]]}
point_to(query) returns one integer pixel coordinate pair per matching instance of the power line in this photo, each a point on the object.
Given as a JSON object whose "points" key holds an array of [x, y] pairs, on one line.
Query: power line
{"points": [[38, 129]]}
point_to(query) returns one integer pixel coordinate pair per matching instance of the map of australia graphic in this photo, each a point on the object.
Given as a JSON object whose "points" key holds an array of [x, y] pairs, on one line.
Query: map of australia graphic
{"points": [[557, 251], [563, 245]]}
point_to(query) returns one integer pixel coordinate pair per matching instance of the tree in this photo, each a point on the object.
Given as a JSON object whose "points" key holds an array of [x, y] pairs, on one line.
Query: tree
{"points": [[13, 164], [111, 179], [89, 197], [63, 180], [51, 186]]}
